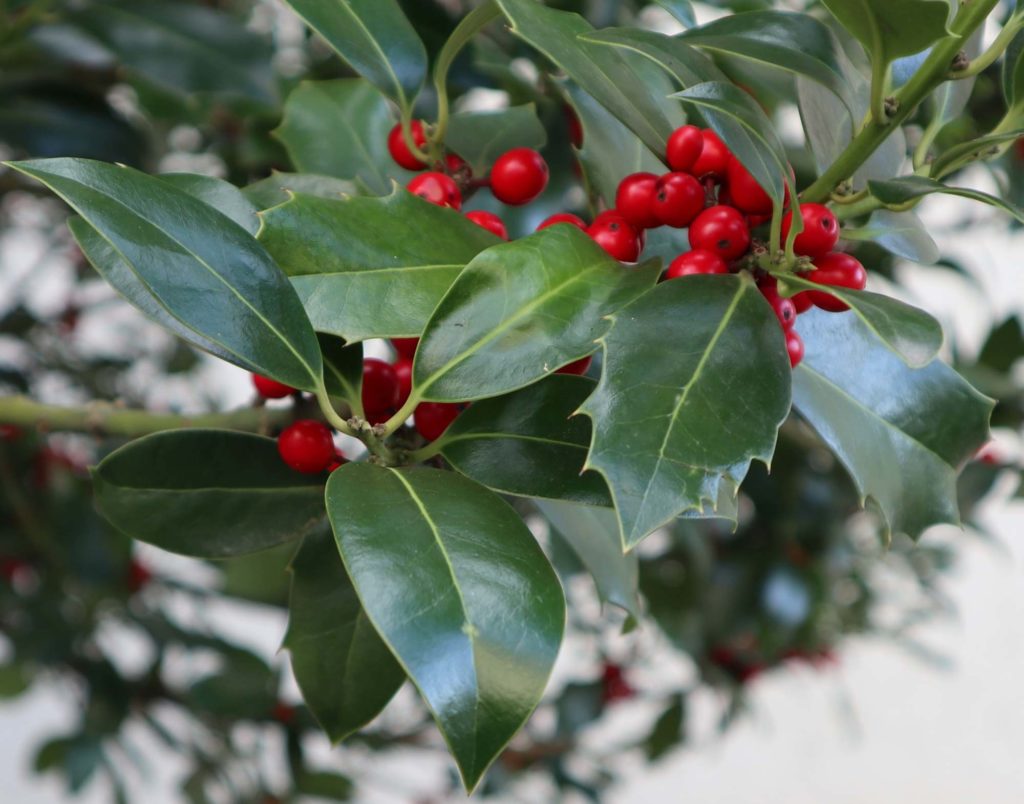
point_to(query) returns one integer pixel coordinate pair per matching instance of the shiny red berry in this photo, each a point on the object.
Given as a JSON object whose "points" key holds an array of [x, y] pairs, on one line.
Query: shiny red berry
{"points": [[722, 230], [489, 221], [714, 158], [306, 446], [613, 233], [432, 418], [820, 234], [563, 217], [399, 150], [403, 371], [838, 270], [271, 389], [698, 261], [634, 200], [436, 188], [678, 199], [579, 367], [744, 191], [572, 122], [794, 347], [684, 148], [380, 386], [139, 576], [406, 347], [519, 176], [785, 309], [454, 163], [614, 686]]}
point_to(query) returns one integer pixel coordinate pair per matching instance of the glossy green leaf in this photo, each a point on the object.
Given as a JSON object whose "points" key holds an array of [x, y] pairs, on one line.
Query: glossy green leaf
{"points": [[695, 385], [528, 442], [182, 47], [340, 128], [901, 233], [908, 331], [593, 534], [900, 432], [908, 188], [521, 310], [201, 266], [481, 137], [343, 369], [357, 277], [206, 493], [219, 194], [888, 30], [275, 189], [345, 671], [682, 10], [686, 64], [600, 72], [1013, 72], [376, 38], [466, 561], [796, 43]]}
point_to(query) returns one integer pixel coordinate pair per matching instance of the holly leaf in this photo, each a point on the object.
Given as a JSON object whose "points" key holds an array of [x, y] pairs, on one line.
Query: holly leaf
{"points": [[219, 194], [677, 414], [682, 10], [340, 128], [467, 563], [908, 188], [890, 30], [604, 74], [375, 38], [357, 277], [345, 671], [525, 443], [593, 534], [530, 306], [900, 233], [343, 369], [276, 188], [481, 137], [206, 493], [687, 65], [198, 264], [900, 432], [1013, 72], [908, 331]]}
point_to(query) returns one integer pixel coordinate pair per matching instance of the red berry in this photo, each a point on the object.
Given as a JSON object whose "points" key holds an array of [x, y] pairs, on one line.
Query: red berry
{"points": [[454, 163], [138, 575], [614, 686], [572, 122], [713, 161], [283, 713], [9, 432], [437, 188], [406, 347], [613, 233], [432, 418], [489, 221], [306, 446], [380, 386], [678, 199], [403, 371], [684, 148], [564, 217], [271, 389], [802, 300], [580, 367], [744, 191], [634, 200], [820, 234], [519, 176], [380, 416], [722, 230], [399, 150], [794, 348], [784, 308], [838, 270], [696, 262]]}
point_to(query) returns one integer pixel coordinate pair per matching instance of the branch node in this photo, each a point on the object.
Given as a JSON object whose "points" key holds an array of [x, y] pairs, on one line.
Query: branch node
{"points": [[891, 106], [961, 61]]}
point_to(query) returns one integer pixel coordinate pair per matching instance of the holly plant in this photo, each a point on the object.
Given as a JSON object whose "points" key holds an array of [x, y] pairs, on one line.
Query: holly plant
{"points": [[605, 297]]}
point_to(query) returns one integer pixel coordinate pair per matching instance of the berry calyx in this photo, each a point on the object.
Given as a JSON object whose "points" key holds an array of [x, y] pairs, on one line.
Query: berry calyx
{"points": [[306, 446], [684, 148], [838, 270], [436, 188], [713, 162], [678, 199], [820, 234], [403, 371], [698, 261], [613, 233], [380, 388], [432, 418], [271, 389], [519, 176], [489, 221], [634, 200], [722, 230], [399, 149], [563, 217], [406, 347], [578, 367], [794, 348]]}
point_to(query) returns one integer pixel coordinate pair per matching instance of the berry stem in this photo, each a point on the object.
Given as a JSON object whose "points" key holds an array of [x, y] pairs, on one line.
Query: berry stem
{"points": [[402, 415], [995, 50], [332, 416]]}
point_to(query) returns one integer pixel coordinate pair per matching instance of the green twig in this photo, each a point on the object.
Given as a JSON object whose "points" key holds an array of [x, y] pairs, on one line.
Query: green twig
{"points": [[996, 49]]}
